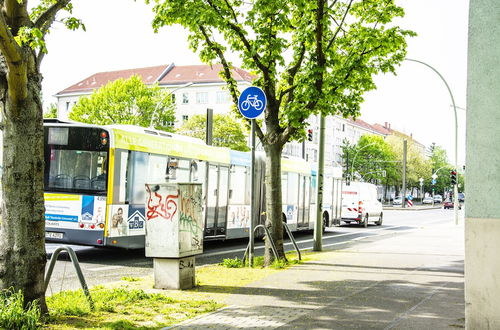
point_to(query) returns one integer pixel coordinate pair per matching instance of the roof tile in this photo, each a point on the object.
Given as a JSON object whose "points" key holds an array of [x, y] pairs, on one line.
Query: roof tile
{"points": [[176, 75]]}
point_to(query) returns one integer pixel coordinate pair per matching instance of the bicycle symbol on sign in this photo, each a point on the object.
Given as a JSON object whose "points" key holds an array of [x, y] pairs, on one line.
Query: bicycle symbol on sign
{"points": [[252, 101]]}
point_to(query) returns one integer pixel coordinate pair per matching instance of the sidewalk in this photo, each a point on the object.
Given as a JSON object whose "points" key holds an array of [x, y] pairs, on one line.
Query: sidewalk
{"points": [[411, 281]]}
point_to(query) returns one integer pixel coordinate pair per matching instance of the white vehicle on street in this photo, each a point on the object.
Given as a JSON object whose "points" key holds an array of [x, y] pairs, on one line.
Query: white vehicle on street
{"points": [[427, 200], [360, 204]]}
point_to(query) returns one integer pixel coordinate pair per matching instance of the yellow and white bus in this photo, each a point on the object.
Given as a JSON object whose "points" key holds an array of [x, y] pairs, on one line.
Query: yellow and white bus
{"points": [[95, 183]]}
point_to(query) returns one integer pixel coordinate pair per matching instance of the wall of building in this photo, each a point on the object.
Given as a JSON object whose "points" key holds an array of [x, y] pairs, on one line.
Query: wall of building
{"points": [[482, 179]]}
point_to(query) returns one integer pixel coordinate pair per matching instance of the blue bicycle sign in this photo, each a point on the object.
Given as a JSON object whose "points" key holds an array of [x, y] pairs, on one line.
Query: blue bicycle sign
{"points": [[252, 102]]}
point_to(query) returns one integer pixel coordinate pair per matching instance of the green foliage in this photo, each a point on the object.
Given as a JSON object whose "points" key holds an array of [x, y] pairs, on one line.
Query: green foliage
{"points": [[330, 66], [32, 37], [279, 263], [371, 159], [439, 163], [126, 102], [227, 131], [130, 279], [417, 166], [13, 315], [232, 263], [51, 112], [122, 308]]}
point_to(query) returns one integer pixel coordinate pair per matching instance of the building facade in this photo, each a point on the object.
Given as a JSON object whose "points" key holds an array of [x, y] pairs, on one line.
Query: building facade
{"points": [[196, 88]]}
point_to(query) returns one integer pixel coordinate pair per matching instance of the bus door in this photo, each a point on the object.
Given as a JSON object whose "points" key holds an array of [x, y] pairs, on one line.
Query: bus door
{"points": [[304, 199], [217, 198]]}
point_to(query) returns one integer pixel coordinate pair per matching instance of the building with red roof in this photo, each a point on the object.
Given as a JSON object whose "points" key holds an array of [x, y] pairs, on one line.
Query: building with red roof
{"points": [[196, 87]]}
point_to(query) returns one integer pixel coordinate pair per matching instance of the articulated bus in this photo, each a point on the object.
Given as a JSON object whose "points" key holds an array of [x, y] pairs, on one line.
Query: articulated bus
{"points": [[95, 180]]}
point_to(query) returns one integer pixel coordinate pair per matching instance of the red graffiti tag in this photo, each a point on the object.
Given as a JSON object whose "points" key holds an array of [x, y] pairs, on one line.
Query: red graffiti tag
{"points": [[158, 206]]}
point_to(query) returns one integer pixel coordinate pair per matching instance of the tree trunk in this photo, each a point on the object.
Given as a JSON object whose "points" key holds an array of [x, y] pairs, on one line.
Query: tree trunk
{"points": [[22, 227], [273, 202]]}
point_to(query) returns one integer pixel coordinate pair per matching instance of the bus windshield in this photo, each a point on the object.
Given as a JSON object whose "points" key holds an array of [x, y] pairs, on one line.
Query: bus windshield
{"points": [[75, 160]]}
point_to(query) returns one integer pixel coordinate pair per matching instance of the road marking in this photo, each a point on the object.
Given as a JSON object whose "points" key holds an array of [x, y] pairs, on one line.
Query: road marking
{"points": [[212, 254], [100, 269]]}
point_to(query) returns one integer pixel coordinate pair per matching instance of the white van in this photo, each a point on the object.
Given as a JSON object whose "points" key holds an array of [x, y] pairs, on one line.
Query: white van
{"points": [[360, 204]]}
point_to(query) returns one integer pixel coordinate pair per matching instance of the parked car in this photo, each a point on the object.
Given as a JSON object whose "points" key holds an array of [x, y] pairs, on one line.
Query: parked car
{"points": [[438, 199], [427, 200], [448, 204], [461, 197], [397, 201]]}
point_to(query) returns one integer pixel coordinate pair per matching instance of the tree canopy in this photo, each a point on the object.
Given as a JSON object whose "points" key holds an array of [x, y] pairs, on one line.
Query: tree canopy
{"points": [[371, 159], [227, 131], [309, 57], [127, 101]]}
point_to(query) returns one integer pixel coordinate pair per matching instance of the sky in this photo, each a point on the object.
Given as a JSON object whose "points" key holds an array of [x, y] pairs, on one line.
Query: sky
{"points": [[416, 101]]}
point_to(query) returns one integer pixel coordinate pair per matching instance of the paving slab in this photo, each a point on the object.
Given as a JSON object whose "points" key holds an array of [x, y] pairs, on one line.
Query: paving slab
{"points": [[409, 281]]}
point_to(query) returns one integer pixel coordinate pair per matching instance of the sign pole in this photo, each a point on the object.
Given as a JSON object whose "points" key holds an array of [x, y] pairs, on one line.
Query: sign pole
{"points": [[252, 201], [252, 103]]}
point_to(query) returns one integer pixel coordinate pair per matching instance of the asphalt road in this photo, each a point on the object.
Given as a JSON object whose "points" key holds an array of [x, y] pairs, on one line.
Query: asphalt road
{"points": [[107, 265]]}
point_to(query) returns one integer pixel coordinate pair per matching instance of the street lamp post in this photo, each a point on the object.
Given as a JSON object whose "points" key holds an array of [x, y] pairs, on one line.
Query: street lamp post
{"points": [[354, 158], [455, 187], [153, 116]]}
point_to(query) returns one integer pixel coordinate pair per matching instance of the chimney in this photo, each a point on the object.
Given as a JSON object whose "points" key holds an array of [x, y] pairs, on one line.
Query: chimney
{"points": [[385, 124]]}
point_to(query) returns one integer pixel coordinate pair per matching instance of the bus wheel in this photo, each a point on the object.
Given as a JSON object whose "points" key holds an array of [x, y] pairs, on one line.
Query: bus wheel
{"points": [[379, 222], [365, 223]]}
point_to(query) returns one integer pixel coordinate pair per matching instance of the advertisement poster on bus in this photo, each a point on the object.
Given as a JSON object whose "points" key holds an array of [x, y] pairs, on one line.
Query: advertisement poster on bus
{"points": [[239, 216], [67, 211], [126, 220]]}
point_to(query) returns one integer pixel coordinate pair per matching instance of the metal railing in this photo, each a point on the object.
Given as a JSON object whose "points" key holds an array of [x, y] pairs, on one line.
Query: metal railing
{"points": [[289, 232], [273, 246], [78, 270]]}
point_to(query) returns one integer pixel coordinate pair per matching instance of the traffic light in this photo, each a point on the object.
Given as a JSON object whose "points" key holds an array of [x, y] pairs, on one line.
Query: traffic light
{"points": [[453, 177], [309, 135]]}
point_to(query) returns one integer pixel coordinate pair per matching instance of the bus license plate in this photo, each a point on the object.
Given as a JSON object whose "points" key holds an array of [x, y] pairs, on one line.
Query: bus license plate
{"points": [[50, 234]]}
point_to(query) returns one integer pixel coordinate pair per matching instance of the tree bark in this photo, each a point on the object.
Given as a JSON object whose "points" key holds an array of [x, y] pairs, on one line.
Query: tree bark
{"points": [[22, 227], [273, 202]]}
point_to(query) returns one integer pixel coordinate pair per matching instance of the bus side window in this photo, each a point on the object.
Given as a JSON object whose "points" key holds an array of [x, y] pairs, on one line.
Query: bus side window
{"points": [[284, 190], [171, 170], [178, 170], [293, 188], [237, 185], [120, 176], [156, 168], [137, 177]]}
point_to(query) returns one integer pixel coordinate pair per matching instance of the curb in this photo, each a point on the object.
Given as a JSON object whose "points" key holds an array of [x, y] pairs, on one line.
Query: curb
{"points": [[412, 208]]}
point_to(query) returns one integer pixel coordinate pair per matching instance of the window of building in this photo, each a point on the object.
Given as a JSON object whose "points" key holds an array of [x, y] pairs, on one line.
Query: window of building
{"points": [[185, 117], [172, 97], [67, 106], [185, 98], [202, 97], [222, 97]]}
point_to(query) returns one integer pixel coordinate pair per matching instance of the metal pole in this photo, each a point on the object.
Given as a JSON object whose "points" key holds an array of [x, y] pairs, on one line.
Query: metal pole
{"points": [[354, 158], [318, 228], [157, 107], [455, 188], [209, 128], [252, 201], [403, 193]]}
